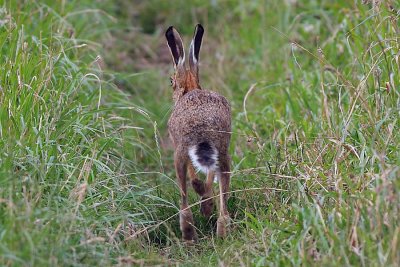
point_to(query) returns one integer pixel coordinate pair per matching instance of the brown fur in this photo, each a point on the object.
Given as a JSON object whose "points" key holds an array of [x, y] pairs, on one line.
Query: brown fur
{"points": [[198, 186], [183, 82], [207, 201], [198, 116]]}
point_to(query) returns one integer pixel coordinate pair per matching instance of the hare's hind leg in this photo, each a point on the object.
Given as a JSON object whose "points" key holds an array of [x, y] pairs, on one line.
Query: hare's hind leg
{"points": [[207, 201], [224, 180], [203, 189], [197, 184], [185, 214]]}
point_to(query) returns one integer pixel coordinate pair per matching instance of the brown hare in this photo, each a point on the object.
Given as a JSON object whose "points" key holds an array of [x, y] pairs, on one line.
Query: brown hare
{"points": [[200, 127]]}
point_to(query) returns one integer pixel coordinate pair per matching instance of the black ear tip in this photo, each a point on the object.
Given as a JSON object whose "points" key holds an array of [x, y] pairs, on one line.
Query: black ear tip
{"points": [[199, 27], [169, 31]]}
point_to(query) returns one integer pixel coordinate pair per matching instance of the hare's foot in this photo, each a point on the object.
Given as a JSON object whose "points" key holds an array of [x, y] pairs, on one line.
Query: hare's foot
{"points": [[223, 224], [187, 226]]}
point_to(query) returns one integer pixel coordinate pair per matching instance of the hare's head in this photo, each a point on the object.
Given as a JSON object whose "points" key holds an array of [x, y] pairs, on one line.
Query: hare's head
{"points": [[184, 79]]}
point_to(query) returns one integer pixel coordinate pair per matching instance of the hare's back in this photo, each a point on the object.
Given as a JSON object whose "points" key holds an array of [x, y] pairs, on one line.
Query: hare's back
{"points": [[200, 115]]}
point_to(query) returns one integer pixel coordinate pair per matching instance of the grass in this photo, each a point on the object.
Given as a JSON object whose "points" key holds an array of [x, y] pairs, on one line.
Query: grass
{"points": [[86, 168]]}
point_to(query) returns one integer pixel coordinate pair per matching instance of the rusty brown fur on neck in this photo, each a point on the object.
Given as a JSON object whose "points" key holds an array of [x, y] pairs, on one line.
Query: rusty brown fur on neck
{"points": [[184, 81]]}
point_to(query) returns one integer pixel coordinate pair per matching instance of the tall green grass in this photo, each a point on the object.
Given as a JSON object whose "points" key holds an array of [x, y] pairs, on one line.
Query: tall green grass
{"points": [[86, 169], [70, 143]]}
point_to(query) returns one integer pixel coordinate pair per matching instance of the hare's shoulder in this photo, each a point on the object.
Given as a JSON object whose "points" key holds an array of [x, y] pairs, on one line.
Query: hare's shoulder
{"points": [[204, 98]]}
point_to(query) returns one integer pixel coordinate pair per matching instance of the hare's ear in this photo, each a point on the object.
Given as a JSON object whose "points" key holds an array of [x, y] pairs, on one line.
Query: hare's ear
{"points": [[194, 49], [175, 45]]}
